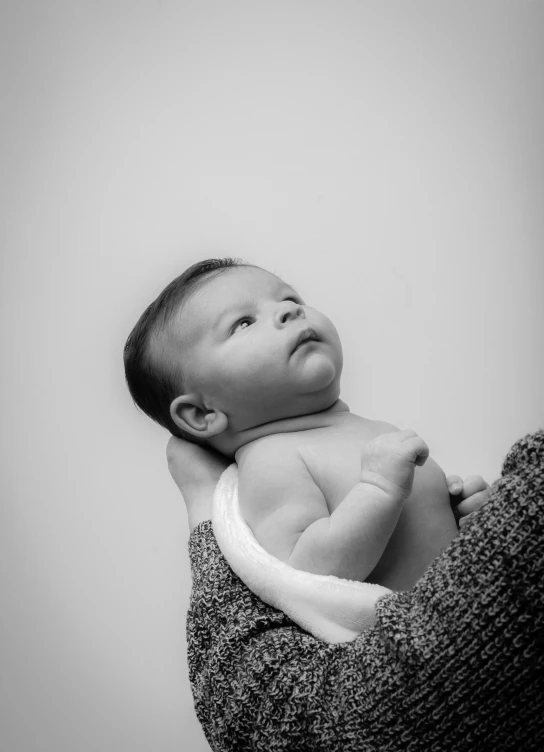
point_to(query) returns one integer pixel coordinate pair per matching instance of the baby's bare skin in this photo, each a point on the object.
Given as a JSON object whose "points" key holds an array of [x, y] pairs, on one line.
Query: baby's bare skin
{"points": [[261, 372], [331, 452]]}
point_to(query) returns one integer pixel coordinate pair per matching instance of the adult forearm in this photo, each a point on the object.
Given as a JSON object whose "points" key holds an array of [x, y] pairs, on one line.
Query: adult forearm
{"points": [[438, 670]]}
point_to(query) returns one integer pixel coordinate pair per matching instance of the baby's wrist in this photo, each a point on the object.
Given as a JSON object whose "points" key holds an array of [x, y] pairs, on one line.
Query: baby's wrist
{"points": [[378, 481]]}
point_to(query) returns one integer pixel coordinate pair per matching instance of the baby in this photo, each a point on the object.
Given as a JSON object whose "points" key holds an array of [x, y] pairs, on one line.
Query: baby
{"points": [[231, 357]]}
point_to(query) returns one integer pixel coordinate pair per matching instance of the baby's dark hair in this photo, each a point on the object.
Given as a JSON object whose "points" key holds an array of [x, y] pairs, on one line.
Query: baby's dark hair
{"points": [[152, 382]]}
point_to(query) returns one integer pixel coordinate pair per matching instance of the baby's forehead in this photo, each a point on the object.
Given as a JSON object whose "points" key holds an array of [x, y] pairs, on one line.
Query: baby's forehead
{"points": [[232, 288]]}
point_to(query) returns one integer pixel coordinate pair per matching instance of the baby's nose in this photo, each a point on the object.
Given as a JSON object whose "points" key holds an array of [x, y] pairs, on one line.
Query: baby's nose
{"points": [[289, 310]]}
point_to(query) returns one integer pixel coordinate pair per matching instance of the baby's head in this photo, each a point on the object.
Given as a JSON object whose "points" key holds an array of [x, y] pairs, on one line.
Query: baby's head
{"points": [[220, 351]]}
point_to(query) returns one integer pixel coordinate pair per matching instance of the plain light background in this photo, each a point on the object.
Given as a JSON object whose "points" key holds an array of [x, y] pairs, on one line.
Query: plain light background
{"points": [[385, 158]]}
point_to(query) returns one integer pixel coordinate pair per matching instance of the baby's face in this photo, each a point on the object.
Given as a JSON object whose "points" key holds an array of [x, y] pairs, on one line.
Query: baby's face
{"points": [[238, 337]]}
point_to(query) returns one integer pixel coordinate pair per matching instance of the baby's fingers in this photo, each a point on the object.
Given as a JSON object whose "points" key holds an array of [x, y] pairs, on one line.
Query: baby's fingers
{"points": [[422, 451], [416, 449]]}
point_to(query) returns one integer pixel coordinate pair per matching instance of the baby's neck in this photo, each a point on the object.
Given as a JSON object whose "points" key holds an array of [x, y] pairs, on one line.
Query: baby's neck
{"points": [[286, 425]]}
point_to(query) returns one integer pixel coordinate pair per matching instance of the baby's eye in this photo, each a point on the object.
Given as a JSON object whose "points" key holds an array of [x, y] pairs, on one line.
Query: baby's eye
{"points": [[240, 321]]}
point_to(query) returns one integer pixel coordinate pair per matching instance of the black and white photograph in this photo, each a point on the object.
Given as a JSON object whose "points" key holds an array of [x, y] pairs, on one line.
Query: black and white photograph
{"points": [[272, 398]]}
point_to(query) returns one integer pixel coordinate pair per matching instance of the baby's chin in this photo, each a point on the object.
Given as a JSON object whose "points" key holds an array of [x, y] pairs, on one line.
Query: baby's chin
{"points": [[318, 371]]}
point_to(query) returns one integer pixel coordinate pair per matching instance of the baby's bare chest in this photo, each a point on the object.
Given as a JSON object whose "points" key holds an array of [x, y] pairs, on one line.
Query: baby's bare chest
{"points": [[333, 455]]}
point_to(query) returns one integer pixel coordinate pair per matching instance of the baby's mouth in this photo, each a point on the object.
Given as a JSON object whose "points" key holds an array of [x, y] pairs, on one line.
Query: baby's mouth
{"points": [[305, 336]]}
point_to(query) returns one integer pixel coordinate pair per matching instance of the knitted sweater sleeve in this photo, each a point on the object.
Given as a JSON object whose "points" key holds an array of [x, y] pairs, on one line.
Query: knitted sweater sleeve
{"points": [[454, 664]]}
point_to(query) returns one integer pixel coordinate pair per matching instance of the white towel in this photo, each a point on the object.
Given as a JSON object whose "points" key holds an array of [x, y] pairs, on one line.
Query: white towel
{"points": [[330, 608]]}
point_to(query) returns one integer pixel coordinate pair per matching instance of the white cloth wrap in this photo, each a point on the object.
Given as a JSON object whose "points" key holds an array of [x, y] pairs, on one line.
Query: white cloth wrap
{"points": [[330, 608]]}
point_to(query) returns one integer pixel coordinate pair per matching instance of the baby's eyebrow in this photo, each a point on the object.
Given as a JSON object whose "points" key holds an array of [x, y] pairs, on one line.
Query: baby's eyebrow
{"points": [[216, 324], [289, 288], [285, 289], [230, 311]]}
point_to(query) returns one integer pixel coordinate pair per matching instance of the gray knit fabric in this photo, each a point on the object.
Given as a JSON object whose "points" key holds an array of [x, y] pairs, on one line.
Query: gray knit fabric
{"points": [[454, 664]]}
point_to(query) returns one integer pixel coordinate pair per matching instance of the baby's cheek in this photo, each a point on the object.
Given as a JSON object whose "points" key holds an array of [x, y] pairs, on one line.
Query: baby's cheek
{"points": [[262, 366], [242, 380]]}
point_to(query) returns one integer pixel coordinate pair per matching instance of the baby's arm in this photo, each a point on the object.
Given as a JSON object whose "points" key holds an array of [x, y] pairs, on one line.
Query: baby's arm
{"points": [[295, 525]]}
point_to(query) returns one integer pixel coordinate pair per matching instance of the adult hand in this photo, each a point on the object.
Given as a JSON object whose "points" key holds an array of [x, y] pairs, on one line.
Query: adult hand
{"points": [[195, 471], [468, 495]]}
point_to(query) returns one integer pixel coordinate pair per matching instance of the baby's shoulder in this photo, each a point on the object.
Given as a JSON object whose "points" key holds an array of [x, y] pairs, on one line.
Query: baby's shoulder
{"points": [[276, 490], [271, 453]]}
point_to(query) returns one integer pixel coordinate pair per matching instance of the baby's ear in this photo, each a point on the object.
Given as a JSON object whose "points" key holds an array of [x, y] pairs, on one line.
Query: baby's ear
{"points": [[189, 415]]}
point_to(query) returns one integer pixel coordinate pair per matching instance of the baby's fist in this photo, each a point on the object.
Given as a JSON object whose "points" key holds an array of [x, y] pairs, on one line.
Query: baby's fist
{"points": [[389, 461]]}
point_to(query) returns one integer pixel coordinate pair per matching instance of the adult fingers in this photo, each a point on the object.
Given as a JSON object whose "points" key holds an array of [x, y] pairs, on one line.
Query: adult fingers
{"points": [[472, 504], [472, 485], [195, 470], [455, 484]]}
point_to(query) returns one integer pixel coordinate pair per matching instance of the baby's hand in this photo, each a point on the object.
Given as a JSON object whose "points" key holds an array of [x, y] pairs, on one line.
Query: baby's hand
{"points": [[389, 461], [468, 495]]}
